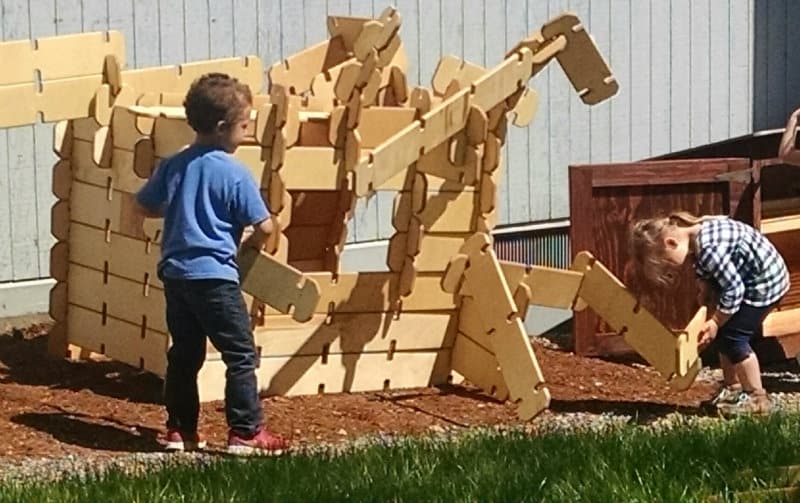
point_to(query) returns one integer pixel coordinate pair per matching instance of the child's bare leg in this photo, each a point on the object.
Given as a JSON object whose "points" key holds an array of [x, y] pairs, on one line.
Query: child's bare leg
{"points": [[749, 373], [729, 377]]}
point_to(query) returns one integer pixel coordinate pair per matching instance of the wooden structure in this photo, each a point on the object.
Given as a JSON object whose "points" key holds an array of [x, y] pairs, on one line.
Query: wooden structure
{"points": [[740, 177], [336, 122]]}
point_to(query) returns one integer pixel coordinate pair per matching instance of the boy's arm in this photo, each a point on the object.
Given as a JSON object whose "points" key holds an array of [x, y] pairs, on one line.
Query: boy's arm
{"points": [[146, 212], [152, 197], [258, 236], [787, 151]]}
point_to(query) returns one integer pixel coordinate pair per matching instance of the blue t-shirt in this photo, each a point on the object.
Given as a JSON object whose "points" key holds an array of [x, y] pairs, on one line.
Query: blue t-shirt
{"points": [[207, 198]]}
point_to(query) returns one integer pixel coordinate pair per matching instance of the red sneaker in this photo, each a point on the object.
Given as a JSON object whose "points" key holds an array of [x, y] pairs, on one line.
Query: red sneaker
{"points": [[263, 443], [177, 440]]}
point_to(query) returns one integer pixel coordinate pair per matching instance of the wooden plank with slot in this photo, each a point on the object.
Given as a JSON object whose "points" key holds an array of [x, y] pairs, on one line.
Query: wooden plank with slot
{"points": [[123, 256], [581, 60], [688, 360], [550, 287], [355, 333], [307, 375], [123, 299], [437, 162], [443, 212], [21, 53], [278, 285], [296, 72], [478, 366], [434, 253], [503, 80], [131, 343], [445, 120], [471, 325], [66, 56], [452, 68], [393, 156], [81, 90], [609, 298], [377, 292], [89, 204], [509, 340]]}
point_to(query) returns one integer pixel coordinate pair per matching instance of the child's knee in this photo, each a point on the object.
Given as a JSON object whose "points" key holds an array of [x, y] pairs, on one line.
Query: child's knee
{"points": [[736, 350]]}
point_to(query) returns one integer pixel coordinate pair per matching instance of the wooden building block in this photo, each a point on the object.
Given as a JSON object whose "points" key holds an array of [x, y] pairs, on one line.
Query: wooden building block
{"points": [[438, 162], [59, 261], [479, 366], [62, 139], [118, 297], [445, 120], [354, 333], [296, 72], [136, 344], [278, 285], [509, 340], [177, 79], [343, 373], [581, 60], [550, 287], [452, 68], [58, 302], [120, 255], [503, 80], [609, 298], [443, 212], [67, 66], [370, 292], [433, 255]]}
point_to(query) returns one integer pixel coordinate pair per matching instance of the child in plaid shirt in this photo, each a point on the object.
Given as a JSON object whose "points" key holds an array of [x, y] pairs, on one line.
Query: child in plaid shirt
{"points": [[743, 269]]}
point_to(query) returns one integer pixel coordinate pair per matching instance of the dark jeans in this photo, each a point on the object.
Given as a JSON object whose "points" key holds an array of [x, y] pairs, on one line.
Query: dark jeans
{"points": [[197, 309], [733, 339]]}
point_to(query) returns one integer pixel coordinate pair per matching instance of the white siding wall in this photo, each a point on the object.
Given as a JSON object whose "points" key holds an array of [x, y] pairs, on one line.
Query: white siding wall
{"points": [[690, 72]]}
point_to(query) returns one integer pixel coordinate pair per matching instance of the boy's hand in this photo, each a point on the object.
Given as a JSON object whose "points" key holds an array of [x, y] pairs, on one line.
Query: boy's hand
{"points": [[253, 240], [708, 333]]}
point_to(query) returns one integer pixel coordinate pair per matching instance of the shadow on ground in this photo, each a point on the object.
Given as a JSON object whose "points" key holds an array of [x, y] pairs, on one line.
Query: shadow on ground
{"points": [[24, 360]]}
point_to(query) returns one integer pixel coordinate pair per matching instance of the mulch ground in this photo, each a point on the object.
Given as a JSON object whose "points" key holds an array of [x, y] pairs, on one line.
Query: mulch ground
{"points": [[54, 408]]}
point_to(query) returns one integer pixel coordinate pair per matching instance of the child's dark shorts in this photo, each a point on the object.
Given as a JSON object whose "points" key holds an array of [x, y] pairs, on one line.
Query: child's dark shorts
{"points": [[734, 338]]}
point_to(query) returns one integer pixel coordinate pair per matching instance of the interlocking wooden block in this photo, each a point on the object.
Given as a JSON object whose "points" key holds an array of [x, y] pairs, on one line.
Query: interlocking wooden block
{"points": [[136, 344], [354, 333], [581, 60], [503, 325], [609, 298], [45, 72], [278, 285], [338, 373], [121, 298]]}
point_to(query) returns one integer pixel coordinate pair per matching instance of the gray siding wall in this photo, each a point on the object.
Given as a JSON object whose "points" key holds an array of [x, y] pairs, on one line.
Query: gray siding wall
{"points": [[686, 70]]}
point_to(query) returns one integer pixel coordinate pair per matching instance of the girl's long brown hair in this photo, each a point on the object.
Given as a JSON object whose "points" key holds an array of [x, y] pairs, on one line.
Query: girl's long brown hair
{"points": [[646, 243]]}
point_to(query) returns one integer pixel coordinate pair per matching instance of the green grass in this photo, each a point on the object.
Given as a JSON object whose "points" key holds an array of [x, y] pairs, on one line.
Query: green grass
{"points": [[629, 464]]}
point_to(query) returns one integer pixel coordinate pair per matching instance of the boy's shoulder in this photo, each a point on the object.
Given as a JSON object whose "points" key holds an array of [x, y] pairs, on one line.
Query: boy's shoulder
{"points": [[224, 164]]}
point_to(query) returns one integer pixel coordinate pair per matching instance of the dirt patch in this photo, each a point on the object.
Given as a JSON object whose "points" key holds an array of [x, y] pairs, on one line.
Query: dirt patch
{"points": [[53, 408]]}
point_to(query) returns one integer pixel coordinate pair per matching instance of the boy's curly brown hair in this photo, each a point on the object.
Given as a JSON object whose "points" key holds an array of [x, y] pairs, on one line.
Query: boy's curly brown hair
{"points": [[215, 97]]}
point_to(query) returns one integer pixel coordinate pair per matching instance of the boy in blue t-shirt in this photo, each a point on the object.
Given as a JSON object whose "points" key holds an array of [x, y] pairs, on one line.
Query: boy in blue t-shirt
{"points": [[207, 198]]}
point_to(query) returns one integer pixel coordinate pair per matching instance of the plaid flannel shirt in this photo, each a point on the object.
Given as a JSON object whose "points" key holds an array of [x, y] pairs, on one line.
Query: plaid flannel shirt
{"points": [[742, 262]]}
